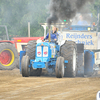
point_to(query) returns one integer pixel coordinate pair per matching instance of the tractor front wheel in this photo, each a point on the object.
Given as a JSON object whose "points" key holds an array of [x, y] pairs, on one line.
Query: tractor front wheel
{"points": [[24, 65]]}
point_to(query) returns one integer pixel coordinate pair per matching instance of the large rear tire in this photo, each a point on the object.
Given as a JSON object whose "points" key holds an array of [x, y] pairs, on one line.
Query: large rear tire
{"points": [[88, 62], [80, 64], [69, 52], [59, 67], [30, 51], [24, 66], [8, 56]]}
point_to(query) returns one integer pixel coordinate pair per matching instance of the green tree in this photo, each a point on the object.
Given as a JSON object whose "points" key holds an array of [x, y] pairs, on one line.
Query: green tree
{"points": [[16, 14], [95, 9]]}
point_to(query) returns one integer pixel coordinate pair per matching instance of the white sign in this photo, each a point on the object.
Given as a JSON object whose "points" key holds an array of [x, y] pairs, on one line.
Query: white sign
{"points": [[89, 39]]}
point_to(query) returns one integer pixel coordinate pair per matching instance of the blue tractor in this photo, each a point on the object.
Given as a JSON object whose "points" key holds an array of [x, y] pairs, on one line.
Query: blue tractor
{"points": [[49, 55], [69, 59]]}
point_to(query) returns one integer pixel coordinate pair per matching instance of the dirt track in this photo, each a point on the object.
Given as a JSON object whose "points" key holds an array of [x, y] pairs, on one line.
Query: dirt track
{"points": [[15, 87]]}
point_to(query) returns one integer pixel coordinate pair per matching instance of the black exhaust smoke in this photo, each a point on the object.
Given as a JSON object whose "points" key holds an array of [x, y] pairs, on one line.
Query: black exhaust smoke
{"points": [[65, 9]]}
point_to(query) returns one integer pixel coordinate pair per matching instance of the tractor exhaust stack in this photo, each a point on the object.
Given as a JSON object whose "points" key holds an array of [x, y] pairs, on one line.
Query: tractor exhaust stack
{"points": [[49, 36]]}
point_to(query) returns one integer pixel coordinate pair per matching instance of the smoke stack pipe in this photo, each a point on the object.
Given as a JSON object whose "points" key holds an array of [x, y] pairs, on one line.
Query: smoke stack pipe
{"points": [[49, 35]]}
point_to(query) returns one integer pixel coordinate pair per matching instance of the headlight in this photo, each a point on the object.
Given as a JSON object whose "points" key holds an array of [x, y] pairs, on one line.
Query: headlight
{"points": [[39, 51], [45, 51]]}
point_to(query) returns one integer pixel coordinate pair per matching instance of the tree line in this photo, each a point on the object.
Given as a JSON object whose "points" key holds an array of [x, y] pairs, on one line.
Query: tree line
{"points": [[16, 14]]}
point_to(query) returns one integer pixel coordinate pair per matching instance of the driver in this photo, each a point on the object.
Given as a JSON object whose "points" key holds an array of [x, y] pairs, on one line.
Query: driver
{"points": [[53, 33]]}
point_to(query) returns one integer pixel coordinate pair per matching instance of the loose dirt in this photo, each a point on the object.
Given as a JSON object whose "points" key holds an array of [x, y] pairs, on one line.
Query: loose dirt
{"points": [[15, 87]]}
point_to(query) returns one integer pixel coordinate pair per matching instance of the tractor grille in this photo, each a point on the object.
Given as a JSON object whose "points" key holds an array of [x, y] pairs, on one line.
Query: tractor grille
{"points": [[42, 51]]}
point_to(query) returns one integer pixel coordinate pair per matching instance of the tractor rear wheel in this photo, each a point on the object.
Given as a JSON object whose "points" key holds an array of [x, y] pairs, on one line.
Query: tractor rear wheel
{"points": [[80, 64], [8, 56], [30, 51], [24, 66], [69, 52], [59, 67]]}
